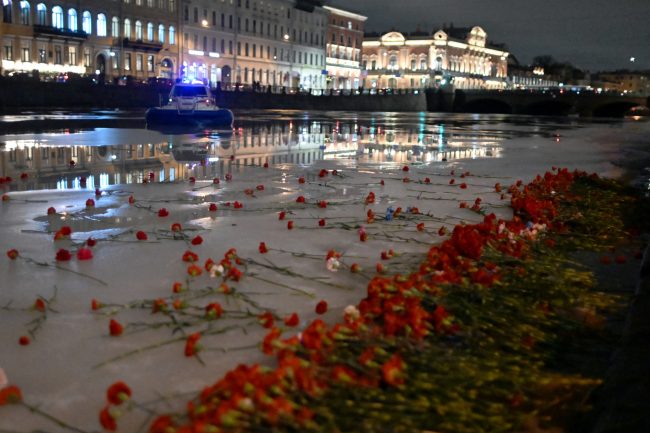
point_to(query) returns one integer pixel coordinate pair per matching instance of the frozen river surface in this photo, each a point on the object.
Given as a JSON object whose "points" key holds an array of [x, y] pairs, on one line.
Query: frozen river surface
{"points": [[262, 167]]}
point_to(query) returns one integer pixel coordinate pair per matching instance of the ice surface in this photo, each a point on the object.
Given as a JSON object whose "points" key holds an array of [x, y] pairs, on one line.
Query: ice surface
{"points": [[66, 368]]}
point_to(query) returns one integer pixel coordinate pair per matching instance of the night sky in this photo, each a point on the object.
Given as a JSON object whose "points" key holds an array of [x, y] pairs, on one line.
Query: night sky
{"points": [[591, 34]]}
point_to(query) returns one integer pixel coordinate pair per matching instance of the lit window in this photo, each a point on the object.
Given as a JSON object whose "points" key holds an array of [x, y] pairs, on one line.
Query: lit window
{"points": [[24, 12], [172, 35], [86, 22], [101, 25], [57, 17], [127, 28], [161, 34], [72, 20], [150, 32], [115, 27], [41, 14], [6, 11], [138, 30]]}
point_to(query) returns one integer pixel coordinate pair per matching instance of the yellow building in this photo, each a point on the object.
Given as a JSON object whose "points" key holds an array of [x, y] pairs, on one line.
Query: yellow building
{"points": [[456, 56]]}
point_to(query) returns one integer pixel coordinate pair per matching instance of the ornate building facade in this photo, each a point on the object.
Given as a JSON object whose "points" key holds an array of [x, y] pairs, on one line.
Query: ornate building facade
{"points": [[450, 56], [266, 42], [107, 38], [344, 42]]}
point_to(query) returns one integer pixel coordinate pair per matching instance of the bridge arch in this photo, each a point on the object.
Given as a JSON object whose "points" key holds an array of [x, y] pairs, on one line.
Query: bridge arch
{"points": [[613, 109], [485, 105], [549, 107]]}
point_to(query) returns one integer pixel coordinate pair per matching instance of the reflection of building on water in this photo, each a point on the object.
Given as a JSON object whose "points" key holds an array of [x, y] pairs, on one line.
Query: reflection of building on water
{"points": [[176, 157]]}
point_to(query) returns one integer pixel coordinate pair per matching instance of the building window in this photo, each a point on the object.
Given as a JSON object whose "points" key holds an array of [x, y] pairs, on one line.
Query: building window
{"points": [[138, 62], [223, 46], [423, 64], [150, 32], [57, 17], [115, 27], [72, 20], [373, 65], [25, 55], [72, 56], [186, 13], [86, 22], [101, 25], [229, 47], [246, 49], [127, 62], [196, 15], [58, 57], [392, 62], [42, 55], [149, 3], [239, 48], [172, 5], [138, 30], [24, 13], [214, 18], [172, 35], [150, 63], [161, 34], [223, 20], [8, 53], [6, 11], [41, 14], [413, 64], [87, 57], [127, 28]]}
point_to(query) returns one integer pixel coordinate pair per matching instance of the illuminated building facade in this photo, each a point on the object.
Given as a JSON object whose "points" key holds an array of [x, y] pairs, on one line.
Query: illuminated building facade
{"points": [[107, 38], [344, 43], [264, 42], [450, 56]]}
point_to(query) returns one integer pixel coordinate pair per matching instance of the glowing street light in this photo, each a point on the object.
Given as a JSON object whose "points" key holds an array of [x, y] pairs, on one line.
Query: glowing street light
{"points": [[204, 23], [286, 37], [632, 59]]}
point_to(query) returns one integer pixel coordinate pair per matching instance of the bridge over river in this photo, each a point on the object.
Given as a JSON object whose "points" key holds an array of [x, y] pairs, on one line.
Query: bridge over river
{"points": [[534, 102]]}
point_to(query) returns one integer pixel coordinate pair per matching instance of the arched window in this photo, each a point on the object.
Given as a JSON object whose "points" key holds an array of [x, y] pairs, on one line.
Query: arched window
{"points": [[150, 32], [127, 28], [161, 34], [101, 25], [423, 64], [392, 62], [57, 17], [115, 27], [138, 30], [413, 64], [172, 35], [6, 11], [72, 20], [24, 13], [86, 22], [41, 14]]}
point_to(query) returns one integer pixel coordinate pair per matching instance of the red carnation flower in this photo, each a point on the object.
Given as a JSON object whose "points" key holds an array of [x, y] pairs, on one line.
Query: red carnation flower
{"points": [[194, 271], [190, 256], [197, 240], [322, 204], [191, 347], [321, 222], [192, 179], [260, 187], [216, 181], [266, 165], [176, 227], [213, 310], [262, 248], [39, 305], [427, 180], [212, 207], [162, 212], [63, 255], [90, 203], [84, 254], [281, 215], [118, 393], [420, 227], [95, 305], [290, 225], [452, 181], [115, 328], [141, 236], [51, 210], [355, 268], [12, 254], [300, 199], [292, 320], [106, 420], [91, 242], [97, 192], [24, 176], [132, 200], [463, 185], [301, 179], [24, 340], [177, 287], [266, 319], [228, 176], [10, 395], [322, 173], [321, 307]]}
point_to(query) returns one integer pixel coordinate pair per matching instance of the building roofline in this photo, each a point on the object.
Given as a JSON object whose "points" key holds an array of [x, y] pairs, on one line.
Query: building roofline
{"points": [[347, 14]]}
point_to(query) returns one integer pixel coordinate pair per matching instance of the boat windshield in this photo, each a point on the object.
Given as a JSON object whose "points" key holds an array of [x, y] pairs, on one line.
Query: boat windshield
{"points": [[189, 91]]}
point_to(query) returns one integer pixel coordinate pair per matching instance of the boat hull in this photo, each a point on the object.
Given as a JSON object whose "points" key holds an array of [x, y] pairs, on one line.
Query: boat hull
{"points": [[220, 118]]}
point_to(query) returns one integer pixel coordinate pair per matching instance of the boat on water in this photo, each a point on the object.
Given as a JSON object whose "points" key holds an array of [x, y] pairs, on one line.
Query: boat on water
{"points": [[190, 105]]}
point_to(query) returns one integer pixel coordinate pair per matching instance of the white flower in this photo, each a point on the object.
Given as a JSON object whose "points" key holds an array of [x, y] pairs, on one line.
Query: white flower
{"points": [[333, 264], [351, 312], [216, 271]]}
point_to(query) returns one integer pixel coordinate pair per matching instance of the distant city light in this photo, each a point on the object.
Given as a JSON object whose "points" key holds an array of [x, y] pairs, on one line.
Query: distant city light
{"points": [[632, 59]]}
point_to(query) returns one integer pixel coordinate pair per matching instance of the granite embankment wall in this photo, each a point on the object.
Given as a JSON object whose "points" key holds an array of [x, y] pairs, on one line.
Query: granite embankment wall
{"points": [[16, 95]]}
